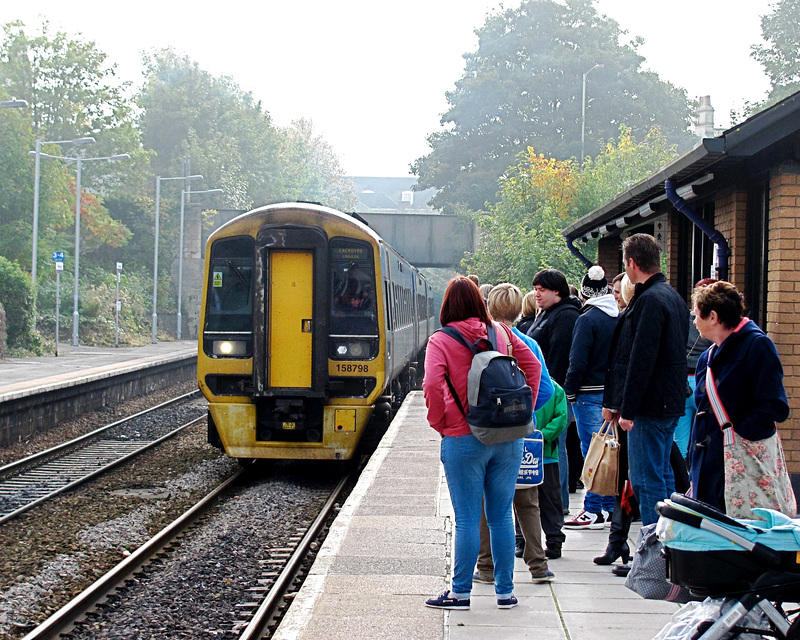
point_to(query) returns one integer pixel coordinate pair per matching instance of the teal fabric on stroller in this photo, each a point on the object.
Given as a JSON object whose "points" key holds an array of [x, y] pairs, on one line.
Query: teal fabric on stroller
{"points": [[775, 530], [712, 554], [749, 570]]}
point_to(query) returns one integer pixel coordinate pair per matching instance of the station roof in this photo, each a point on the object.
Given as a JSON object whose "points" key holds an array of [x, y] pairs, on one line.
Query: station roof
{"points": [[773, 134]]}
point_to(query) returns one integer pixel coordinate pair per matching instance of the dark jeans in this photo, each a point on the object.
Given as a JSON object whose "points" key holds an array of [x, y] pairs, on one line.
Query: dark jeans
{"points": [[649, 448], [550, 509]]}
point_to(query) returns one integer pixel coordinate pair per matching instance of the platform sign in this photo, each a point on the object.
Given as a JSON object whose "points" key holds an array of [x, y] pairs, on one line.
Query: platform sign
{"points": [[660, 232], [58, 256], [59, 266]]}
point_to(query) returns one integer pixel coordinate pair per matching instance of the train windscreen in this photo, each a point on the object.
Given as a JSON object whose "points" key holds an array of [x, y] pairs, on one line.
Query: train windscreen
{"points": [[230, 290], [353, 324]]}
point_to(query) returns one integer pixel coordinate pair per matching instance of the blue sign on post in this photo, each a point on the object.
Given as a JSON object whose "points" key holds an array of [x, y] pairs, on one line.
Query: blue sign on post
{"points": [[58, 256]]}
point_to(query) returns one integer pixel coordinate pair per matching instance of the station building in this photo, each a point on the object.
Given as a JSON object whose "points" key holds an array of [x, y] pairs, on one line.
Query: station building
{"points": [[729, 208]]}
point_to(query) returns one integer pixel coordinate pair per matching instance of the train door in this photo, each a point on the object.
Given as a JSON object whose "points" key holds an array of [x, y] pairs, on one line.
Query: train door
{"points": [[291, 313]]}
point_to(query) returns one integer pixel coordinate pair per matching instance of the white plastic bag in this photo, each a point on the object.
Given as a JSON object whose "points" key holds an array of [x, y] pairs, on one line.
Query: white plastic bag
{"points": [[684, 623]]}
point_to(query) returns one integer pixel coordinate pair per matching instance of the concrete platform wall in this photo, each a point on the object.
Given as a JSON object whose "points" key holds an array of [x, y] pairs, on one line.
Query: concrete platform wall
{"points": [[44, 408]]}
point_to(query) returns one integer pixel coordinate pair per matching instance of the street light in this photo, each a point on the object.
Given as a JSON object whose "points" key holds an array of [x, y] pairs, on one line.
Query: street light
{"points": [[583, 111], [154, 328], [13, 104], [80, 160], [180, 252], [38, 153]]}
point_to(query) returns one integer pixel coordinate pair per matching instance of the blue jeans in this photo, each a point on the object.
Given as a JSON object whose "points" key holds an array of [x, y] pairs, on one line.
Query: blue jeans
{"points": [[684, 427], [563, 461], [588, 410], [652, 479], [477, 472]]}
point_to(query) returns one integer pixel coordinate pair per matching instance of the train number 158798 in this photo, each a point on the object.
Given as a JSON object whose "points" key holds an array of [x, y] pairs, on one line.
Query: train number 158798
{"points": [[352, 368]]}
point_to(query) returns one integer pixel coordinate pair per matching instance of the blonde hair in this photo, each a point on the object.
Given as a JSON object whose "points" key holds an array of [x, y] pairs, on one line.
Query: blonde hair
{"points": [[627, 288], [485, 289], [505, 302], [529, 306]]}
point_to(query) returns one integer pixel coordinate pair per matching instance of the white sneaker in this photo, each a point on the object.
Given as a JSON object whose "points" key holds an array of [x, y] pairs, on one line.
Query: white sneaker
{"points": [[586, 520]]}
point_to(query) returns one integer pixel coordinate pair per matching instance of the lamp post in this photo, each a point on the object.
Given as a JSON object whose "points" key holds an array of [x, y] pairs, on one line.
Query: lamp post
{"points": [[80, 160], [180, 252], [38, 153], [13, 104], [583, 112], [154, 328]]}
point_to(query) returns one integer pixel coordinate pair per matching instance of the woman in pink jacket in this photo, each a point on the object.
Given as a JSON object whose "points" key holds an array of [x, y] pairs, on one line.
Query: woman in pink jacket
{"points": [[475, 471]]}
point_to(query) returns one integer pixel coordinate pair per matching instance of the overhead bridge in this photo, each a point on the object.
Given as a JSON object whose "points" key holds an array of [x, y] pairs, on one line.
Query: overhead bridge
{"points": [[426, 240]]}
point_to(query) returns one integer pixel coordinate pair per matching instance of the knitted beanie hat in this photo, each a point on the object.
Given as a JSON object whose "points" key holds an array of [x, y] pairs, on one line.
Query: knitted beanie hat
{"points": [[594, 283]]}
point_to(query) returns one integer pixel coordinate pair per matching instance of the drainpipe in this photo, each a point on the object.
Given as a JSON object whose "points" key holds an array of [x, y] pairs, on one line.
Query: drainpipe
{"points": [[576, 252], [723, 250]]}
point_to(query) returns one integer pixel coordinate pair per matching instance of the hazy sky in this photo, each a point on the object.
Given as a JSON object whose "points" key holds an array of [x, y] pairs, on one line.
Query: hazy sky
{"points": [[372, 75]]}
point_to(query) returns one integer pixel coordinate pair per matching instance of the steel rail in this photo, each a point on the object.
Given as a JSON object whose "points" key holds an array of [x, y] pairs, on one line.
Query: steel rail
{"points": [[12, 467], [98, 471], [66, 617], [264, 613]]}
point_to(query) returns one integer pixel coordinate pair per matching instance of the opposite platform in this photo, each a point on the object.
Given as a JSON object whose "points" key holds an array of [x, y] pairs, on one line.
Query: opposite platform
{"points": [[390, 549], [36, 394], [73, 364]]}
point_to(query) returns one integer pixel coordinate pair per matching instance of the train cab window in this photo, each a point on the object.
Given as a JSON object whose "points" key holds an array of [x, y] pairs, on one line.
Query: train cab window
{"points": [[353, 323], [229, 302]]}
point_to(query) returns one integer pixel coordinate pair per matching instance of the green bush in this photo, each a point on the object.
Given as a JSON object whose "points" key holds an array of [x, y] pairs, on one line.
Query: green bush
{"points": [[15, 296]]}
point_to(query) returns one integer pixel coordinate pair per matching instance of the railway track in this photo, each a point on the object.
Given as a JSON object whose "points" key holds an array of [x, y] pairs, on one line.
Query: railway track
{"points": [[260, 604], [37, 478]]}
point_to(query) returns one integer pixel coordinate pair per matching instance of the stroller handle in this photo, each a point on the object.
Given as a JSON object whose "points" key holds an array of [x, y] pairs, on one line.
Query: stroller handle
{"points": [[761, 553]]}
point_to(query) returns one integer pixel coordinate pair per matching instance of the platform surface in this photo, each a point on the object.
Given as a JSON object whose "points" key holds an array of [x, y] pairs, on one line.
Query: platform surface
{"points": [[390, 549]]}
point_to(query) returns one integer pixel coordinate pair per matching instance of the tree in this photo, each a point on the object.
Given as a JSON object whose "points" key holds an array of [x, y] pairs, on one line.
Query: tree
{"points": [[229, 138], [313, 172], [540, 196], [622, 163], [16, 299], [67, 82], [781, 60], [523, 88], [71, 93]]}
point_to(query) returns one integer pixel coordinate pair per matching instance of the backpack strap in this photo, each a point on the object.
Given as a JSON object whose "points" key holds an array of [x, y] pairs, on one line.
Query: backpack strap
{"points": [[509, 346], [456, 335]]}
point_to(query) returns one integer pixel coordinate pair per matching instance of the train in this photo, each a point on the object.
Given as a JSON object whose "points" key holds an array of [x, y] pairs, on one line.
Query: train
{"points": [[311, 326]]}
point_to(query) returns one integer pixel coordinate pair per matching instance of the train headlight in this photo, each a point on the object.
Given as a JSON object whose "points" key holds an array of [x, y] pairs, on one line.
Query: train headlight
{"points": [[353, 349], [358, 349], [229, 347]]}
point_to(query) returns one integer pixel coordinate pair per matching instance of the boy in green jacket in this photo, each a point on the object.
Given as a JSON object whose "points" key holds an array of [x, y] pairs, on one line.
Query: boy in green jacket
{"points": [[551, 420]]}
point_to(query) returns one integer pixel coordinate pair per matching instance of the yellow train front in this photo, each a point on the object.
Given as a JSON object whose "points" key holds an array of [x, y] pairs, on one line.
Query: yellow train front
{"points": [[310, 323]]}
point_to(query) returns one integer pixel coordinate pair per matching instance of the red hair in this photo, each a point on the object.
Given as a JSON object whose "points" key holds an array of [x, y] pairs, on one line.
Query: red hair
{"points": [[462, 300]]}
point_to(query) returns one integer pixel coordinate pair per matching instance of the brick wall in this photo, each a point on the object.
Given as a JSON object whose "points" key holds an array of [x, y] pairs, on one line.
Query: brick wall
{"points": [[730, 219], [672, 247], [609, 255], [783, 317]]}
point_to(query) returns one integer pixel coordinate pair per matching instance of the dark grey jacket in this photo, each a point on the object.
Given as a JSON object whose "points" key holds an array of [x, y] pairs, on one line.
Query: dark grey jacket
{"points": [[552, 329], [646, 373]]}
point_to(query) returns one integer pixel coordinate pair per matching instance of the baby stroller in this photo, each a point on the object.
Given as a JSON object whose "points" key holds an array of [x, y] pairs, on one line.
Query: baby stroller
{"points": [[751, 568]]}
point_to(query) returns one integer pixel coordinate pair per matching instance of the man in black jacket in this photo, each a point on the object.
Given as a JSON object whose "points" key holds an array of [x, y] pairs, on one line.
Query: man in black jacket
{"points": [[645, 386]]}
